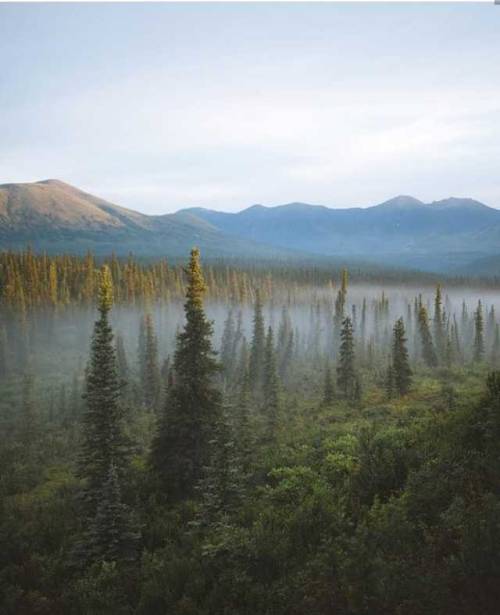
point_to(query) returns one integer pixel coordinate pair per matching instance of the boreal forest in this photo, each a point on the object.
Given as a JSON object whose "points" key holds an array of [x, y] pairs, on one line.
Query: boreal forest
{"points": [[204, 438]]}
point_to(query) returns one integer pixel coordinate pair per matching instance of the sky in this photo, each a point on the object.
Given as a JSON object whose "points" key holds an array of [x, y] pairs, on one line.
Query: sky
{"points": [[158, 107]]}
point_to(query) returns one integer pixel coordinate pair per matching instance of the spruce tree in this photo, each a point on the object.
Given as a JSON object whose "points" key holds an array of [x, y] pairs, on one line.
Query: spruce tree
{"points": [[151, 384], [103, 442], [271, 386], [346, 372], [439, 332], [181, 446], [427, 346], [478, 333], [257, 349], [338, 318], [400, 363]]}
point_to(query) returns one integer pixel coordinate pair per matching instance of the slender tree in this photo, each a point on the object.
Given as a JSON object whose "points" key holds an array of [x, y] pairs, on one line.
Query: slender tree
{"points": [[103, 442], [181, 447], [346, 372], [478, 333], [257, 349], [426, 344], [271, 386], [400, 363]]}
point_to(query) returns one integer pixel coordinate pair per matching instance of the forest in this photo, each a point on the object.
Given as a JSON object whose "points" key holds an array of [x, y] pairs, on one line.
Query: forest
{"points": [[239, 439]]}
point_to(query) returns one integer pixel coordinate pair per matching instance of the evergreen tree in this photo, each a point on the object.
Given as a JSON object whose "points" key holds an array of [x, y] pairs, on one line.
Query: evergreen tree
{"points": [[439, 332], [426, 344], [346, 373], [478, 333], [400, 362], [103, 442], [257, 349], [338, 318], [181, 447], [151, 384], [271, 386]]}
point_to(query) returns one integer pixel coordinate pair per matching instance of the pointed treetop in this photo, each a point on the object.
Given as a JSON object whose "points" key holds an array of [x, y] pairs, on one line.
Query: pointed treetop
{"points": [[197, 286], [105, 300]]}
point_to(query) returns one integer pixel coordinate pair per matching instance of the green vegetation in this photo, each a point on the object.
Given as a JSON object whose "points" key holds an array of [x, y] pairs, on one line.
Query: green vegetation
{"points": [[339, 455]]}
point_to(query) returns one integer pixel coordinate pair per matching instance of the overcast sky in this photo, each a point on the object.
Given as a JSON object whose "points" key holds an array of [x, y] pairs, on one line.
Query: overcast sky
{"points": [[163, 106]]}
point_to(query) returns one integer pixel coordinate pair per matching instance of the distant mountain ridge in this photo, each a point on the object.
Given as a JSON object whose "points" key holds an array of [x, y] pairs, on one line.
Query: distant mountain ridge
{"points": [[401, 227], [448, 235]]}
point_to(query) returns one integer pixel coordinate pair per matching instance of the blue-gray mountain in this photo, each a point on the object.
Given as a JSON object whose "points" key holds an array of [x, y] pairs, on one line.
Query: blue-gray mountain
{"points": [[401, 231], [453, 235]]}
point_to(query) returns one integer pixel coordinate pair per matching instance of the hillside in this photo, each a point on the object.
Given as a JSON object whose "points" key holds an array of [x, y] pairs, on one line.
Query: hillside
{"points": [[53, 216]]}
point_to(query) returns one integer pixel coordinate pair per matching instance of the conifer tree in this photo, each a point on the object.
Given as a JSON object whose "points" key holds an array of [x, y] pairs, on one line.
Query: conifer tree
{"points": [[151, 384], [439, 333], [478, 333], [257, 350], [103, 442], [427, 346], [271, 386], [338, 318], [181, 447], [400, 363], [346, 373]]}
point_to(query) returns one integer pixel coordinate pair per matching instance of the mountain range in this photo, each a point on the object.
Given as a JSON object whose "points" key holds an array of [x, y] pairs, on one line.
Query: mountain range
{"points": [[453, 235]]}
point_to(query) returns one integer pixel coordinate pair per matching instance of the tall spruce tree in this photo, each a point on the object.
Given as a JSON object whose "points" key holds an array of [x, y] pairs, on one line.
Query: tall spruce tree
{"points": [[271, 386], [181, 447], [338, 317], [439, 330], [151, 383], [103, 442], [478, 333], [495, 349], [400, 363], [346, 372], [426, 344], [257, 348]]}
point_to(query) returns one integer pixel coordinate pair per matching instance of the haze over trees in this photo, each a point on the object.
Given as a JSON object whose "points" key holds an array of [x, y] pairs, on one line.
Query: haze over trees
{"points": [[246, 439]]}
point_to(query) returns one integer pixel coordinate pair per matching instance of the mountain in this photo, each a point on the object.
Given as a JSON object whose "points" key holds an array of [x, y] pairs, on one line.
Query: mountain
{"points": [[455, 235], [53, 216], [402, 230]]}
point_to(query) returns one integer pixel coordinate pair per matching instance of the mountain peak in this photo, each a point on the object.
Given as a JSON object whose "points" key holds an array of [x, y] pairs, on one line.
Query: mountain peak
{"points": [[402, 201]]}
